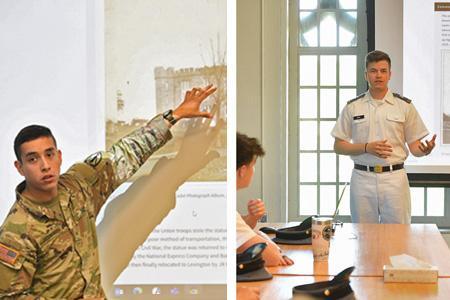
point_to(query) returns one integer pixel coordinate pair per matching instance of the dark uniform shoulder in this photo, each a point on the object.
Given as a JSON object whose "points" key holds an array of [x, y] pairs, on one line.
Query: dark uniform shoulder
{"points": [[357, 97], [396, 95]]}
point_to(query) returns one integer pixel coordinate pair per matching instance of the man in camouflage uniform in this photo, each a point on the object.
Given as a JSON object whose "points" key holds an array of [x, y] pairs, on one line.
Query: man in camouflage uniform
{"points": [[48, 242]]}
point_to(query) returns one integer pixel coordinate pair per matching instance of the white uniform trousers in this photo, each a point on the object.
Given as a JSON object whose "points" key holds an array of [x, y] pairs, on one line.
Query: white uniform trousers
{"points": [[380, 197]]}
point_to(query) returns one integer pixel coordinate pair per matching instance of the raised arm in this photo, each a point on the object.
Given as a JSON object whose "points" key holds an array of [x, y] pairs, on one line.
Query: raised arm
{"points": [[106, 170]]}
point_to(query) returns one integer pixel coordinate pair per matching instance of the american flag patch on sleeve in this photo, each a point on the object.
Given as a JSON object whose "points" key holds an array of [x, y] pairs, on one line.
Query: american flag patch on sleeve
{"points": [[8, 255]]}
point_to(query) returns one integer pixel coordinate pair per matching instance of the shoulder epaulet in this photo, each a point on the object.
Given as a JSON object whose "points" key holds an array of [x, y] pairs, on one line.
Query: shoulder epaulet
{"points": [[357, 97], [402, 97]]}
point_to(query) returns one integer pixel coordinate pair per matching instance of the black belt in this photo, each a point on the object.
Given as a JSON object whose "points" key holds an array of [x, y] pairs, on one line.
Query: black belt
{"points": [[379, 168]]}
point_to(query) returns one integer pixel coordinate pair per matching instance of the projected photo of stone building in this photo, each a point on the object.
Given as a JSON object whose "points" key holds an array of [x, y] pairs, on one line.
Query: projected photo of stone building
{"points": [[170, 87]]}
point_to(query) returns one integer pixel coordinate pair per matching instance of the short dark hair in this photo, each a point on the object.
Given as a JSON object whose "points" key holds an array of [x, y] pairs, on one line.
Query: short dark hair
{"points": [[247, 149], [30, 133], [376, 56]]}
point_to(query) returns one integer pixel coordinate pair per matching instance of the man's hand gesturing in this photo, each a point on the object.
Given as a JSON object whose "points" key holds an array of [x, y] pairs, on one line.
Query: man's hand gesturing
{"points": [[190, 107]]}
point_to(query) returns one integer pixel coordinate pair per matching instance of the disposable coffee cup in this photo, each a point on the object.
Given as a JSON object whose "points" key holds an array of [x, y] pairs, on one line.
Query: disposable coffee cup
{"points": [[321, 234]]}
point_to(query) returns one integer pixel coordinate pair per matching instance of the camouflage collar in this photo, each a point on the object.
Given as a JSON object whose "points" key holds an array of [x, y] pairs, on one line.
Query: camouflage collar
{"points": [[33, 208]]}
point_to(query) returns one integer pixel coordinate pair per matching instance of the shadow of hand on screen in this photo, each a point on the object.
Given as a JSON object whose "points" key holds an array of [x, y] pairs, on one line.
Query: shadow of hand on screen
{"points": [[131, 217]]}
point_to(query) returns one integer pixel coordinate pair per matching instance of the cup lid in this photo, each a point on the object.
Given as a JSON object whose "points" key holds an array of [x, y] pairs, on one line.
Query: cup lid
{"points": [[322, 220]]}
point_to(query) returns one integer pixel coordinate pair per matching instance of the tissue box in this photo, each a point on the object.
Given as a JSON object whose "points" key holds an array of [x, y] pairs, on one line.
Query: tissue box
{"points": [[419, 275]]}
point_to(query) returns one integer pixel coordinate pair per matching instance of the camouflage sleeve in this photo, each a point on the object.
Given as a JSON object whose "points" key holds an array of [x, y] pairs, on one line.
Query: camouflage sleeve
{"points": [[107, 170], [17, 266]]}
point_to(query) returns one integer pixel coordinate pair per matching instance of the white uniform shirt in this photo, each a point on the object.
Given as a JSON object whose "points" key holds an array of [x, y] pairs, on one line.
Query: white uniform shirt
{"points": [[243, 231], [394, 118]]}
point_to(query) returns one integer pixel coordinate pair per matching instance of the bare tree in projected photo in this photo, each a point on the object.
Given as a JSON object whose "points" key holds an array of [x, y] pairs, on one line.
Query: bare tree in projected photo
{"points": [[445, 97], [170, 87]]}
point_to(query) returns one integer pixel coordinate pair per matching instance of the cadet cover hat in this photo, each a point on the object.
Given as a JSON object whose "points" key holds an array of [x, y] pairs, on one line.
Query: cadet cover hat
{"points": [[250, 265], [337, 288], [295, 235]]}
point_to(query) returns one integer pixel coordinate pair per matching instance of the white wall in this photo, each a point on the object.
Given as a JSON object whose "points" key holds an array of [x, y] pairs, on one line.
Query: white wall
{"points": [[249, 85], [51, 74], [261, 93], [389, 37]]}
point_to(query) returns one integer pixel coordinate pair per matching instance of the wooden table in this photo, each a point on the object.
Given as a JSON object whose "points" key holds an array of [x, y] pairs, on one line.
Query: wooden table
{"points": [[280, 287], [367, 247]]}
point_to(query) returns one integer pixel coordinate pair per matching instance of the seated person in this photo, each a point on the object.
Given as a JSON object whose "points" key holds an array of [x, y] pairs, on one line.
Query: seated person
{"points": [[248, 150]]}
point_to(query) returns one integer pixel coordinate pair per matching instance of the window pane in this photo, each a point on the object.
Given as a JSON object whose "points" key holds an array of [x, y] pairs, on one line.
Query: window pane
{"points": [[417, 200], [327, 3], [308, 103], [344, 206], [308, 200], [347, 4], [308, 4], [328, 103], [345, 168], [327, 167], [347, 70], [347, 29], [435, 201], [308, 29], [327, 199], [326, 140], [308, 167], [328, 29], [308, 70], [344, 96], [308, 135], [328, 70]]}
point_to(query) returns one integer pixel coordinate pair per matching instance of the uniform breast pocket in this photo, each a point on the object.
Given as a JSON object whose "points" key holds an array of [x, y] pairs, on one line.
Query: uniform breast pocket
{"points": [[395, 123], [360, 129], [60, 246]]}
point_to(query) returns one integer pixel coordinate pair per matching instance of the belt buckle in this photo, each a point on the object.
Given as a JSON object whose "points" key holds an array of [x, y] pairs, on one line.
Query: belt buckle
{"points": [[378, 168]]}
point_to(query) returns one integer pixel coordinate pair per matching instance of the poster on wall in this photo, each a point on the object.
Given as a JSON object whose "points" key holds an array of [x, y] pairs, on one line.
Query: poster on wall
{"points": [[442, 37], [426, 62]]}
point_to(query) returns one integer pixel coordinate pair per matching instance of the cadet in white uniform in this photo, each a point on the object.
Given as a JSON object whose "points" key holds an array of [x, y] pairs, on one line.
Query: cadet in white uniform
{"points": [[374, 129]]}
